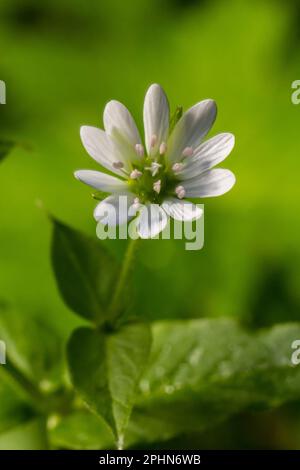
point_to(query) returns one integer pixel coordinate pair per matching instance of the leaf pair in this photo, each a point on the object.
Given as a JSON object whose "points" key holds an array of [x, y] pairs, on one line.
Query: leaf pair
{"points": [[105, 364], [200, 373]]}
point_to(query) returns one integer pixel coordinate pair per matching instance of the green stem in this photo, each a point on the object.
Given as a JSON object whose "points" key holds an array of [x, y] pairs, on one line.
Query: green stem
{"points": [[121, 286]]}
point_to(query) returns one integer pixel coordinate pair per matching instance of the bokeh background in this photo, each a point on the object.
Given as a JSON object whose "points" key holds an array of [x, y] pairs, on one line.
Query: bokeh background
{"points": [[62, 60]]}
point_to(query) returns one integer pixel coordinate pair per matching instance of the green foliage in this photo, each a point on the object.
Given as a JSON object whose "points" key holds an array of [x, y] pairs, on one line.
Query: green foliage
{"points": [[203, 371], [105, 363], [200, 373], [34, 347], [197, 373], [82, 430], [231, 276], [13, 410], [84, 271], [27, 436], [106, 368]]}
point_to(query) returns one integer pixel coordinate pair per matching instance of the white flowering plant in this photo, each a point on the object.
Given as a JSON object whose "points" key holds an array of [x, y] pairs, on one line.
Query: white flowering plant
{"points": [[120, 381], [174, 165]]}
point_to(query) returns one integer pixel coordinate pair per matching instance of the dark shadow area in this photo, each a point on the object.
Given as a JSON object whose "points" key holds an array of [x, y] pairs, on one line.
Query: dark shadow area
{"points": [[273, 299]]}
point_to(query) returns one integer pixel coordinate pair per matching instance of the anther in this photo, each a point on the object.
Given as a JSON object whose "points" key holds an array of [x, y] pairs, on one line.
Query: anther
{"points": [[153, 141], [136, 203], [177, 167], [135, 174], [139, 149], [162, 148], [187, 152], [118, 165], [157, 186], [180, 192]]}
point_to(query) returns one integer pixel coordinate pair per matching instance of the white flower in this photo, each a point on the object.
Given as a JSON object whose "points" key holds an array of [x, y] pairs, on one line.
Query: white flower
{"points": [[169, 169]]}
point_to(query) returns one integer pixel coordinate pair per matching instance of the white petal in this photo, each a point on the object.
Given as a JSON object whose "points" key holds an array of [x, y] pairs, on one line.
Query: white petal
{"points": [[117, 117], [211, 183], [101, 148], [207, 155], [151, 221], [101, 181], [113, 210], [184, 211], [156, 117], [191, 128]]}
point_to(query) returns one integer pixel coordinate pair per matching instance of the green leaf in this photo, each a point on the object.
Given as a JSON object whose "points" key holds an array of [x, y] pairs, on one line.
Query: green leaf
{"points": [[81, 430], [84, 271], [200, 373], [203, 371], [13, 410], [5, 148], [28, 436], [106, 368], [33, 346]]}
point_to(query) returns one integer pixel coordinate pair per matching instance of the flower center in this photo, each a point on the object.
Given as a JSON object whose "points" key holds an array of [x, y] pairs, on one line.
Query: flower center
{"points": [[152, 180]]}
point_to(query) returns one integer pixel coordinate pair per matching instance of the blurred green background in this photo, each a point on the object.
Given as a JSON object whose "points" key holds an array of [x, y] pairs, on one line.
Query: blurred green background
{"points": [[62, 60]]}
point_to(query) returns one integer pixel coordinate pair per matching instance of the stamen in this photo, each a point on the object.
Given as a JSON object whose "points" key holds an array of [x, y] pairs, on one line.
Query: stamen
{"points": [[136, 203], [153, 140], [139, 150], [157, 186], [188, 152], [162, 148], [177, 167], [118, 165], [154, 168], [180, 192], [135, 174]]}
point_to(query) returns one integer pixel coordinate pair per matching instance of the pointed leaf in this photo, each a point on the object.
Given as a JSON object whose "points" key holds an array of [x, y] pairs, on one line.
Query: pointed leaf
{"points": [[82, 430], [203, 371], [84, 271], [106, 368], [27, 436]]}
